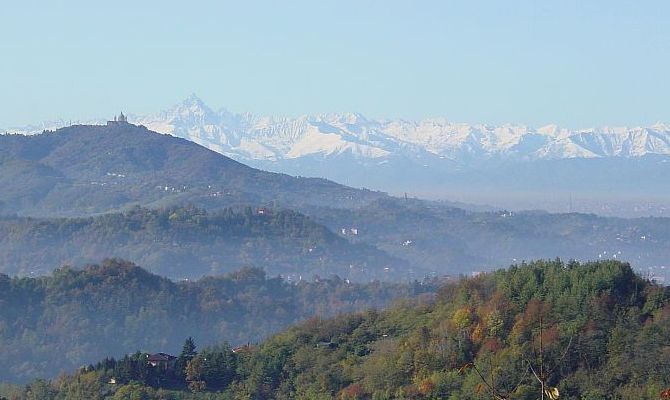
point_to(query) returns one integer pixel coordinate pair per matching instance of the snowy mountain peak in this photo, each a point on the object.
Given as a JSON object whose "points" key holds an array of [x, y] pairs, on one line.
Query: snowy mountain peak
{"points": [[660, 127], [551, 130], [250, 138], [191, 107], [350, 118], [193, 99]]}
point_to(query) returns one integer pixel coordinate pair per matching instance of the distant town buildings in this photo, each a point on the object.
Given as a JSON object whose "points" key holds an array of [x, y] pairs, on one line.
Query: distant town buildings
{"points": [[352, 231]]}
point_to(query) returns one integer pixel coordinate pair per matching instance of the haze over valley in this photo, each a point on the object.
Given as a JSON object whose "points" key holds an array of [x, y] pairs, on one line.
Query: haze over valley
{"points": [[86, 192], [435, 200]]}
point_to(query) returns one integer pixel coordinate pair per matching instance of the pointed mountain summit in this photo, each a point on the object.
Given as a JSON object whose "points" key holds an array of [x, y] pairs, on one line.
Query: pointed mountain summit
{"points": [[193, 105], [193, 99], [192, 111]]}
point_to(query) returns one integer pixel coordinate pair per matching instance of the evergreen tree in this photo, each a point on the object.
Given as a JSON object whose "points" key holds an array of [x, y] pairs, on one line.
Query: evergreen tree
{"points": [[186, 355]]}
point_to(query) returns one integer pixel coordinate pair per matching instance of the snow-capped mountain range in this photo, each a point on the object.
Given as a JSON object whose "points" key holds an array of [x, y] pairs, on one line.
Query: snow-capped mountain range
{"points": [[430, 158], [247, 137]]}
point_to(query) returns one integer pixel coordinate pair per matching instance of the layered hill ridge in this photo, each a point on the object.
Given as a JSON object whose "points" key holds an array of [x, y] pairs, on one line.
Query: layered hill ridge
{"points": [[86, 170], [190, 243]]}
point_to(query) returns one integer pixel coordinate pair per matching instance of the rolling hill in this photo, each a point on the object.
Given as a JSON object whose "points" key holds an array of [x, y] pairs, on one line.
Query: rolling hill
{"points": [[75, 316], [87, 169], [190, 243], [450, 240]]}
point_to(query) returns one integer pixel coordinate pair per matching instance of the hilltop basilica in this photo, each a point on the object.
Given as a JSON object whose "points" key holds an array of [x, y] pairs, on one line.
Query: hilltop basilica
{"points": [[120, 120]]}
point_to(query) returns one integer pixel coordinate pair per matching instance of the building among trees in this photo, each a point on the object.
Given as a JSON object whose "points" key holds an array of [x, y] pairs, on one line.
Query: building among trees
{"points": [[161, 360]]}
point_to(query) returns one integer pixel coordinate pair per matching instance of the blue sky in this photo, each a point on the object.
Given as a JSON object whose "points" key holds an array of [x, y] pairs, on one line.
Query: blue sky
{"points": [[574, 63]]}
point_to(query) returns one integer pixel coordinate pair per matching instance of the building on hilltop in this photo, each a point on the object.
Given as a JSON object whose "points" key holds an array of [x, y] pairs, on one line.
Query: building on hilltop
{"points": [[120, 120]]}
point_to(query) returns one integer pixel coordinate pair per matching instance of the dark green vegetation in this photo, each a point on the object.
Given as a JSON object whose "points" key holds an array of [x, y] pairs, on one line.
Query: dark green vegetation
{"points": [[452, 240], [74, 317], [592, 331], [84, 170], [190, 243], [412, 238]]}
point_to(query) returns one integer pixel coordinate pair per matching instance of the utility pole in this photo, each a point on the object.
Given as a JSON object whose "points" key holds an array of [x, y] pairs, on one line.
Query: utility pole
{"points": [[570, 203]]}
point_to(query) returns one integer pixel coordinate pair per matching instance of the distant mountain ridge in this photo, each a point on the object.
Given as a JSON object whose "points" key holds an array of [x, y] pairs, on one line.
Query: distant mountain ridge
{"points": [[249, 137], [509, 166]]}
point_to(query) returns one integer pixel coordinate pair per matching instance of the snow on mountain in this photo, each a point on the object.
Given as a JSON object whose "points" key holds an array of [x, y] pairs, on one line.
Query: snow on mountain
{"points": [[247, 137], [250, 138]]}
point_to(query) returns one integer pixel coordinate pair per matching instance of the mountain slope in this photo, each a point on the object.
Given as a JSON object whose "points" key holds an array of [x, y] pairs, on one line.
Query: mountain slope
{"points": [[87, 169], [438, 158]]}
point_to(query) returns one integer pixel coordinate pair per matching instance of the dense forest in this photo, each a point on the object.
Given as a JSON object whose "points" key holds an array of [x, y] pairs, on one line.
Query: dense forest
{"points": [[189, 242], [75, 316], [571, 331]]}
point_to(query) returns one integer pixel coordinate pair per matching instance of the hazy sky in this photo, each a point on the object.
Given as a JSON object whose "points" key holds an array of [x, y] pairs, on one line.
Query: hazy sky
{"points": [[575, 63]]}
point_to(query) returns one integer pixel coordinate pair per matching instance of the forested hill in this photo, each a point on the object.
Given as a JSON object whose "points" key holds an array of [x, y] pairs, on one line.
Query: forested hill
{"points": [[389, 239], [86, 169], [188, 242], [451, 240], [583, 331], [77, 316]]}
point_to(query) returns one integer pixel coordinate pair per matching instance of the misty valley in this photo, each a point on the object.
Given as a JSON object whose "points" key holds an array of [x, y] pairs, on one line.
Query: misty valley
{"points": [[138, 265]]}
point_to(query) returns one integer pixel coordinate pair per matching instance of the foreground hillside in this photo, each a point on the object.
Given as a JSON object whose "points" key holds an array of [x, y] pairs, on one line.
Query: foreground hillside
{"points": [[581, 331], [89, 169], [74, 317], [188, 242]]}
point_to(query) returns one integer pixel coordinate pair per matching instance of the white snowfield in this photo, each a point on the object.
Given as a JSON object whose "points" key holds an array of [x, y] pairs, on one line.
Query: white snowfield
{"points": [[246, 137]]}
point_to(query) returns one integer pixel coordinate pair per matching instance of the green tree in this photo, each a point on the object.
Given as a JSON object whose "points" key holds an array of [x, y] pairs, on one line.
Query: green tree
{"points": [[186, 355]]}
